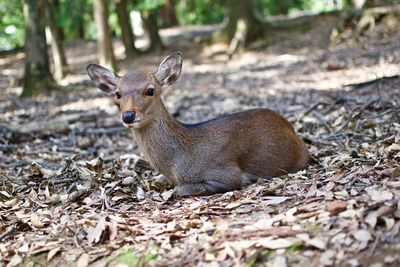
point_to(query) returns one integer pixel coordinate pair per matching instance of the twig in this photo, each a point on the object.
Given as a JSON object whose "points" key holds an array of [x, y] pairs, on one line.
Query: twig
{"points": [[71, 188], [366, 105], [8, 232], [143, 254], [392, 137], [102, 130], [373, 248], [63, 181], [105, 202], [396, 110], [68, 149], [359, 109], [16, 164], [9, 146], [312, 108], [112, 188], [12, 181]]}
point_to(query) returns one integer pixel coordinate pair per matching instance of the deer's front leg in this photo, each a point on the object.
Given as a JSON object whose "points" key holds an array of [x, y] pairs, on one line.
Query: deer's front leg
{"points": [[217, 181], [163, 180]]}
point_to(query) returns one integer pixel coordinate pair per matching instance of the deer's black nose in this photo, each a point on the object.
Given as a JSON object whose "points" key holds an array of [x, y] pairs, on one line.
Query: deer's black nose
{"points": [[128, 116]]}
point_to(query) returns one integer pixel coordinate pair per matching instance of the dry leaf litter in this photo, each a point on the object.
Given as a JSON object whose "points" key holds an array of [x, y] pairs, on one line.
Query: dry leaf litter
{"points": [[74, 188]]}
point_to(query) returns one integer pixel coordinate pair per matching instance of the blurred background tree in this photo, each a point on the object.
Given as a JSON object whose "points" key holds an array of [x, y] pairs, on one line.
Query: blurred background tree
{"points": [[150, 11], [121, 8], [136, 20], [103, 34], [199, 11], [168, 14], [37, 76], [55, 36]]}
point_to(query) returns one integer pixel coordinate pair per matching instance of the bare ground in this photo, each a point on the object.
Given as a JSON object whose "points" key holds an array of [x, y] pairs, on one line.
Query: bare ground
{"points": [[74, 190]]}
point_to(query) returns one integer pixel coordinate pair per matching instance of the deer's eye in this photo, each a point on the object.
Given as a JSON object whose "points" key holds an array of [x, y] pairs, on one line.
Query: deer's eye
{"points": [[118, 95], [150, 91]]}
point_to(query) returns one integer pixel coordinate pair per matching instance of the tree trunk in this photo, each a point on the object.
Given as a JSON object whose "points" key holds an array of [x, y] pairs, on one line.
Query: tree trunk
{"points": [[60, 63], [80, 29], [239, 10], [56, 6], [151, 26], [358, 4], [37, 76], [168, 14], [243, 26], [104, 41], [126, 27]]}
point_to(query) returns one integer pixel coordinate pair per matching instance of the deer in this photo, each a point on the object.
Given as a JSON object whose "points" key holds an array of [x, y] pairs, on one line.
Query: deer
{"points": [[214, 156]]}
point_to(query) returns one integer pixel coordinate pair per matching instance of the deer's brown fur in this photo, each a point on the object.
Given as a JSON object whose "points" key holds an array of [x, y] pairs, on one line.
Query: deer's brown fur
{"points": [[209, 157]]}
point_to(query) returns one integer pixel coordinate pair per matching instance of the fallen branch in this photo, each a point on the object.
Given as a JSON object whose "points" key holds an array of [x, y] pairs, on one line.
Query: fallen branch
{"points": [[312, 108], [8, 232]]}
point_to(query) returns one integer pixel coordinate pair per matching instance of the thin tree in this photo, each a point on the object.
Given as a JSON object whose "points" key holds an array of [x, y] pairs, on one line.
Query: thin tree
{"points": [[37, 76], [79, 17], [168, 13], [60, 63], [358, 4], [124, 21], [151, 25], [243, 25], [57, 6], [104, 41]]}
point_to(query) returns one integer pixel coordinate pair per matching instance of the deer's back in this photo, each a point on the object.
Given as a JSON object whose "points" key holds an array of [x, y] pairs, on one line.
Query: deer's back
{"points": [[260, 141]]}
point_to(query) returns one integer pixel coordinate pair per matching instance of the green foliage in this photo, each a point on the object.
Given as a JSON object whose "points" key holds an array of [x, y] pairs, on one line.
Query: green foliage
{"points": [[276, 7], [312, 228], [148, 4], [130, 258], [283, 7], [113, 22], [260, 256], [199, 11], [11, 25], [74, 18], [295, 248], [323, 6]]}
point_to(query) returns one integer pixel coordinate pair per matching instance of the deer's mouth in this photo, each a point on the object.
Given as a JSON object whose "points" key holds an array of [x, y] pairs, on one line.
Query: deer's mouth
{"points": [[133, 124]]}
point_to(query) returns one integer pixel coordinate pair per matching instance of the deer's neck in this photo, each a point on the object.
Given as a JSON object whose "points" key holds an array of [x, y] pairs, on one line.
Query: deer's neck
{"points": [[162, 140]]}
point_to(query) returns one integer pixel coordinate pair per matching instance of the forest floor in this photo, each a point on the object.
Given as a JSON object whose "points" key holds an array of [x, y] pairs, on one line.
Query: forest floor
{"points": [[74, 189]]}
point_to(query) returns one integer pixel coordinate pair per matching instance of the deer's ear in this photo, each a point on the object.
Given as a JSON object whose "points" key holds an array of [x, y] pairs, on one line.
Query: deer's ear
{"points": [[169, 69], [103, 78]]}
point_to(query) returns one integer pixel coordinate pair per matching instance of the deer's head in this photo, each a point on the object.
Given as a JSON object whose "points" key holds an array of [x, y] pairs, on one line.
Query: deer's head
{"points": [[138, 93]]}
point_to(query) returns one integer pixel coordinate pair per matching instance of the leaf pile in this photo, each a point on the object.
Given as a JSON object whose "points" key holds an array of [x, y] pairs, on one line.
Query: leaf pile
{"points": [[76, 191]]}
